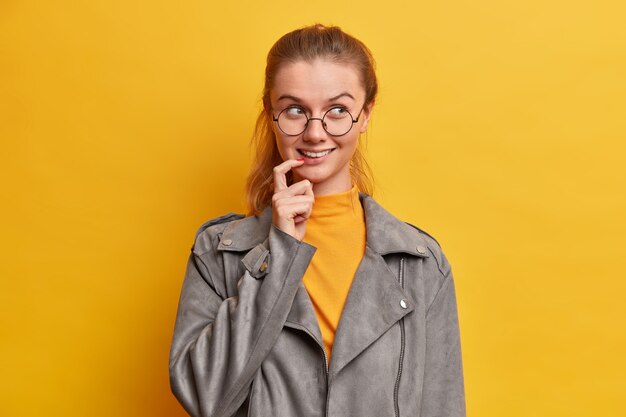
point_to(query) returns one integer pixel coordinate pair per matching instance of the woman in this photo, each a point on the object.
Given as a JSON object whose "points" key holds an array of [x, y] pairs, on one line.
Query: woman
{"points": [[321, 303]]}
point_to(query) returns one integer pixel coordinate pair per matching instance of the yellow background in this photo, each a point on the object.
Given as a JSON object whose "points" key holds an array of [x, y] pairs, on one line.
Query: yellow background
{"points": [[500, 128]]}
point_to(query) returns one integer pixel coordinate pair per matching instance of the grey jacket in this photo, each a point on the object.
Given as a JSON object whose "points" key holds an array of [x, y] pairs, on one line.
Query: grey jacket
{"points": [[247, 342]]}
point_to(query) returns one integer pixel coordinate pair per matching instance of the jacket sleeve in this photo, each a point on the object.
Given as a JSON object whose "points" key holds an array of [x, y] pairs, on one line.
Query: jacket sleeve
{"points": [[219, 344], [443, 389]]}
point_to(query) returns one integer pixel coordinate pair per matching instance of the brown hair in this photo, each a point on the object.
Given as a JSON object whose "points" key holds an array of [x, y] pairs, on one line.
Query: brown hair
{"points": [[306, 44]]}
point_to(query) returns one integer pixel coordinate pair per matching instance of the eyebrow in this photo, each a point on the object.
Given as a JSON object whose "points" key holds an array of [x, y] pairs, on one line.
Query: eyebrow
{"points": [[294, 98]]}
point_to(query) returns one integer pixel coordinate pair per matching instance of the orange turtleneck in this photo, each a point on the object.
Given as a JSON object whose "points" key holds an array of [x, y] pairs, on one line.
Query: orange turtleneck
{"points": [[336, 228]]}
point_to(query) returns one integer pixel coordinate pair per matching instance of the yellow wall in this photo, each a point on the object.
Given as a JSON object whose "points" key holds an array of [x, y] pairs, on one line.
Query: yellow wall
{"points": [[500, 129]]}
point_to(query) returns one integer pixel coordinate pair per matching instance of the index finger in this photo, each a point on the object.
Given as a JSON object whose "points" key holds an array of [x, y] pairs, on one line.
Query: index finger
{"points": [[280, 179]]}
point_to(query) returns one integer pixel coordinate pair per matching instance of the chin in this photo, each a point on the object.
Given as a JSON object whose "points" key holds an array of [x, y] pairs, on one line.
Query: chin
{"points": [[312, 175]]}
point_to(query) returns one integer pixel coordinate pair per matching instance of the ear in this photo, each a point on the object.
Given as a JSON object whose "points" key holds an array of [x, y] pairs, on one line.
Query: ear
{"points": [[367, 113]]}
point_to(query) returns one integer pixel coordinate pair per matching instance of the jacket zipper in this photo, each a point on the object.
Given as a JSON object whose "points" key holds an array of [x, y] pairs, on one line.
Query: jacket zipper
{"points": [[327, 380], [397, 386]]}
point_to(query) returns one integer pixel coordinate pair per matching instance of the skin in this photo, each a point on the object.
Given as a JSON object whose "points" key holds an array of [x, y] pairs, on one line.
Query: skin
{"points": [[315, 87]]}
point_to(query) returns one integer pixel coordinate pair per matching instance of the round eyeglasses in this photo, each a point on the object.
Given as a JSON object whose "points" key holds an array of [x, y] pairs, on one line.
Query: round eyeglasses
{"points": [[337, 121]]}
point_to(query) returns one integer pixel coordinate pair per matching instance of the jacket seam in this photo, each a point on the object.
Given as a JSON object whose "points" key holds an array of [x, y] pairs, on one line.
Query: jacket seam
{"points": [[437, 262], [445, 283], [248, 414], [208, 275]]}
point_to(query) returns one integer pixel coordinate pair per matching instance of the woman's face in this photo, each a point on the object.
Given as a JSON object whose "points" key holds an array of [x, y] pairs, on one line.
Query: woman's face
{"points": [[315, 88]]}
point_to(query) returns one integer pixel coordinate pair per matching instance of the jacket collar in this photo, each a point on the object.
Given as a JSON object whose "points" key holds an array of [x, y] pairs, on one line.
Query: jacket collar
{"points": [[385, 233]]}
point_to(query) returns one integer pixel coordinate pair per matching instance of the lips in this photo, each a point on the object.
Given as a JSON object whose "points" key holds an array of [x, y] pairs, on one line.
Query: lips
{"points": [[315, 154]]}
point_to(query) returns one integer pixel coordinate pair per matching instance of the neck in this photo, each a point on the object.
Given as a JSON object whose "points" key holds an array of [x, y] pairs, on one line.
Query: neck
{"points": [[336, 204]]}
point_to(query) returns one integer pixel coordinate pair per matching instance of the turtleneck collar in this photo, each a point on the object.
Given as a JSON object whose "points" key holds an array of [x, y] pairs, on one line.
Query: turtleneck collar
{"points": [[337, 204]]}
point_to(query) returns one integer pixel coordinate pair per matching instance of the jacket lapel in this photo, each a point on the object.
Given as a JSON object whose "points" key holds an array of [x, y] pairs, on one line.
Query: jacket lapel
{"points": [[375, 302], [376, 299]]}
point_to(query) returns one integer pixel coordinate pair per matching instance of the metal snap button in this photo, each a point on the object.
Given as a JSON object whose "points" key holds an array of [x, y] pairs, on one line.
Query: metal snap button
{"points": [[421, 249], [227, 242], [263, 266], [403, 304]]}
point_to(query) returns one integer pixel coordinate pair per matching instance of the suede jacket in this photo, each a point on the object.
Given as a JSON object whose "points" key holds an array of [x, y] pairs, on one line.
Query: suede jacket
{"points": [[247, 341]]}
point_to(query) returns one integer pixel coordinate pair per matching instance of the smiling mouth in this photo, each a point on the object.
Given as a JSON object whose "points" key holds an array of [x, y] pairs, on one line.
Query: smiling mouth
{"points": [[309, 154]]}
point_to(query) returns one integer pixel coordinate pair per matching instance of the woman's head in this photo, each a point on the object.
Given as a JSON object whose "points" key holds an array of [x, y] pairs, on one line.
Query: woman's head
{"points": [[321, 42], [318, 71]]}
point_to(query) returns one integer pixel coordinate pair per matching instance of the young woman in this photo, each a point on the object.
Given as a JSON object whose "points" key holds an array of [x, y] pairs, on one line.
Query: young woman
{"points": [[320, 303]]}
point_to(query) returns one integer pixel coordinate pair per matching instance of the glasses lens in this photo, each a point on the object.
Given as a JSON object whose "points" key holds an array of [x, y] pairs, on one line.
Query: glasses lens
{"points": [[337, 121], [292, 121]]}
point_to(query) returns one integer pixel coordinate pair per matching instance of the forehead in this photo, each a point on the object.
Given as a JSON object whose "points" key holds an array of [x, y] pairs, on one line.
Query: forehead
{"points": [[317, 80]]}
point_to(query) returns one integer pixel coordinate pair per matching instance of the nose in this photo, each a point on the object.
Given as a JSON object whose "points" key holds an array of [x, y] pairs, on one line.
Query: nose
{"points": [[315, 131]]}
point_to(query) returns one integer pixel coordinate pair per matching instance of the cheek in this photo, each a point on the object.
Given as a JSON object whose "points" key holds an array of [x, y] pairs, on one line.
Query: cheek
{"points": [[281, 148], [285, 147], [351, 144], [280, 142]]}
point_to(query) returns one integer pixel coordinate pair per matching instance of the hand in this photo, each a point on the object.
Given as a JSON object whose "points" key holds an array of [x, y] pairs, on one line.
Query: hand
{"points": [[291, 206]]}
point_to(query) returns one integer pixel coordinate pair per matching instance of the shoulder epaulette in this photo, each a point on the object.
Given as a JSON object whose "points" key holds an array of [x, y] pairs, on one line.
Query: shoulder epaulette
{"points": [[421, 231], [222, 219]]}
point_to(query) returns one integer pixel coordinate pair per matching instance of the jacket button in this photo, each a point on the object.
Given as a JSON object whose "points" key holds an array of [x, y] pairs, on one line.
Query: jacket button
{"points": [[421, 249], [227, 242], [263, 266], [403, 304]]}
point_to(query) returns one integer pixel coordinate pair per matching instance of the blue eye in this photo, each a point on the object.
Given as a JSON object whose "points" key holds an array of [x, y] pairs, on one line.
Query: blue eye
{"points": [[294, 112], [337, 112]]}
